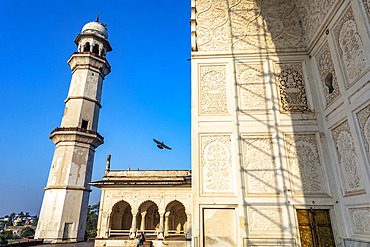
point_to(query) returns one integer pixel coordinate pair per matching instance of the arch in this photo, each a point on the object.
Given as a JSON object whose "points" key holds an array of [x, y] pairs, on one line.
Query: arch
{"points": [[148, 216], [121, 216], [87, 47], [96, 49], [176, 218]]}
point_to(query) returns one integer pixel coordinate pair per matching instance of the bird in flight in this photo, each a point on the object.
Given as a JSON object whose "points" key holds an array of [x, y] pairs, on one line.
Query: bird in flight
{"points": [[161, 145]]}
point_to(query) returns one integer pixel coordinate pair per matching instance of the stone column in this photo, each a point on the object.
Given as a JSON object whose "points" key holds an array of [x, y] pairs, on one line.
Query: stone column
{"points": [[133, 226], [161, 222], [166, 224], [142, 225], [107, 226], [188, 226]]}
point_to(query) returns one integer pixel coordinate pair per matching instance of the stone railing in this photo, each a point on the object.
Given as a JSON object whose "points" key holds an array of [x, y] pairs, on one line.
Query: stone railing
{"points": [[91, 53], [77, 129]]}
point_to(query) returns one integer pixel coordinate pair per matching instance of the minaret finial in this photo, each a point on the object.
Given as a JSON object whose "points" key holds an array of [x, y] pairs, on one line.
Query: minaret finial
{"points": [[107, 167], [97, 18]]}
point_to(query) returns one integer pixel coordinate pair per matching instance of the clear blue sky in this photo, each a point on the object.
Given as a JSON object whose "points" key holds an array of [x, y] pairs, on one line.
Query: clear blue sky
{"points": [[147, 94]]}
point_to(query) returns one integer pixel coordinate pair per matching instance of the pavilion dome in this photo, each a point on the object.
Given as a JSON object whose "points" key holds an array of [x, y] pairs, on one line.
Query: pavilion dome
{"points": [[95, 28]]}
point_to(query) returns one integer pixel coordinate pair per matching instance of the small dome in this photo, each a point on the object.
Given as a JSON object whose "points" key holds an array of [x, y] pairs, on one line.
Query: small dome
{"points": [[96, 28]]}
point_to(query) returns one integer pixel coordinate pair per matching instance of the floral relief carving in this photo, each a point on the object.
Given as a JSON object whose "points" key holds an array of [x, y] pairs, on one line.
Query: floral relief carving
{"points": [[313, 13], [350, 46], [213, 90], [216, 163], [360, 220], [259, 165], [252, 89], [265, 219], [347, 155], [304, 164], [363, 117], [326, 67], [291, 87], [224, 25]]}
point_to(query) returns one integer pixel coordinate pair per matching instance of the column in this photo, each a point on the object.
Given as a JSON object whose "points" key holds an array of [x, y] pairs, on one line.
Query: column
{"points": [[188, 226], [133, 226], [166, 223], [142, 225], [107, 226], [161, 222]]}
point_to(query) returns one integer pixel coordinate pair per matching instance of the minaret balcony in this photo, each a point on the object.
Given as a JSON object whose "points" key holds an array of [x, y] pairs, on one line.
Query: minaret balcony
{"points": [[76, 134], [89, 60], [91, 53]]}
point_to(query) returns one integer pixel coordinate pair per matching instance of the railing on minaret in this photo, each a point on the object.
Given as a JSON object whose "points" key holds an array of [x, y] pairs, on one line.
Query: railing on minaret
{"points": [[64, 208]]}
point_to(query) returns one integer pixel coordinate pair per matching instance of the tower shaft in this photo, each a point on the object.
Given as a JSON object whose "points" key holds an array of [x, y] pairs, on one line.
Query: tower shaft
{"points": [[64, 208]]}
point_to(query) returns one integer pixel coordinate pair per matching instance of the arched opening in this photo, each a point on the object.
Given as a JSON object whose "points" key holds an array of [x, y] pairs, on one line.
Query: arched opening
{"points": [[96, 49], [175, 218], [87, 47], [148, 217], [121, 216], [329, 82]]}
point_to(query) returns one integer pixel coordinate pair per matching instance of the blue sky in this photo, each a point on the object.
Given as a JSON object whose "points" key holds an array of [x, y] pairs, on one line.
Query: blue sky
{"points": [[147, 94]]}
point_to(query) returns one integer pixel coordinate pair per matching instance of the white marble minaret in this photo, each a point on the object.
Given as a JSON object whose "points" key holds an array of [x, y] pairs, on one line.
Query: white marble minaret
{"points": [[64, 208]]}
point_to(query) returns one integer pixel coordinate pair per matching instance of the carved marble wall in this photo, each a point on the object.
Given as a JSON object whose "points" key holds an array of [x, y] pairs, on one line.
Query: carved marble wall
{"points": [[252, 88], [241, 25], [304, 164], [213, 93], [216, 160], [260, 166], [350, 46], [325, 65], [265, 219], [360, 220], [363, 117], [347, 156], [291, 87], [313, 13]]}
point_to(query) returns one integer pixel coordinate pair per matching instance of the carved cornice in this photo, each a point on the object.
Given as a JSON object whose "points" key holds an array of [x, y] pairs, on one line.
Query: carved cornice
{"points": [[185, 182], [57, 187], [85, 98], [89, 61], [76, 135]]}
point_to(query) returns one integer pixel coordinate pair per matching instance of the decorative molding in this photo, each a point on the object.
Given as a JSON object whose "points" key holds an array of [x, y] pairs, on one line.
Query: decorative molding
{"points": [[291, 85], [213, 90], [265, 219], [350, 46], [216, 163], [360, 220], [259, 165], [347, 156], [252, 88], [363, 117], [304, 164]]}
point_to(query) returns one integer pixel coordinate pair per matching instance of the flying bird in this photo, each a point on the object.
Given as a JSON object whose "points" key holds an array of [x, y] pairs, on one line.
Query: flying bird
{"points": [[161, 145]]}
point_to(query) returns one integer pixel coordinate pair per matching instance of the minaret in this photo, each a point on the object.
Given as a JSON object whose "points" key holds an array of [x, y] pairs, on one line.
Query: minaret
{"points": [[64, 208]]}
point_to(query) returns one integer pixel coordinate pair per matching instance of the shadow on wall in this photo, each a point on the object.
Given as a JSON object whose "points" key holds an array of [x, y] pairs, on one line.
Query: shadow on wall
{"points": [[271, 90]]}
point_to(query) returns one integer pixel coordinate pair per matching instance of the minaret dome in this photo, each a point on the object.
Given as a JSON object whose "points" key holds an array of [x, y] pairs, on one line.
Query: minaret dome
{"points": [[93, 38], [95, 28]]}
